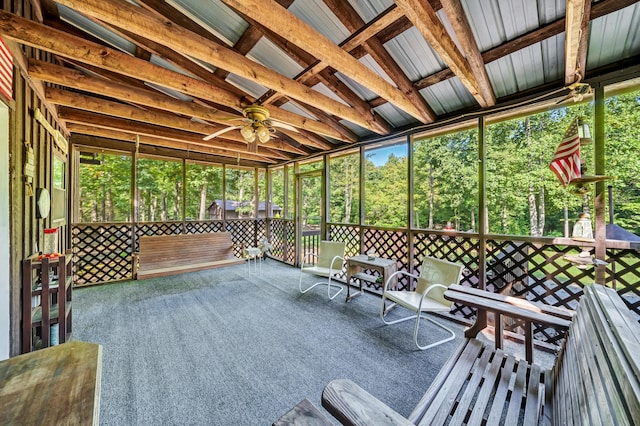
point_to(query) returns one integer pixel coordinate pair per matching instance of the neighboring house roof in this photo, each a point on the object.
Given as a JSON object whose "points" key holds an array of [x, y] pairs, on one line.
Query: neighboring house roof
{"points": [[231, 205]]}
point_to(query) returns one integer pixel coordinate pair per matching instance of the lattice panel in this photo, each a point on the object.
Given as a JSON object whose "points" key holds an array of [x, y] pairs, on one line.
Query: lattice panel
{"points": [[537, 273], [623, 274], [290, 239], [349, 234], [457, 249], [276, 230], [156, 228], [243, 231], [391, 245], [260, 229], [204, 227], [101, 253]]}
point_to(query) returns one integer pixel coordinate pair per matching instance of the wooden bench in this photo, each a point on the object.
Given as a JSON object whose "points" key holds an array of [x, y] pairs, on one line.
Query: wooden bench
{"points": [[174, 254], [595, 379]]}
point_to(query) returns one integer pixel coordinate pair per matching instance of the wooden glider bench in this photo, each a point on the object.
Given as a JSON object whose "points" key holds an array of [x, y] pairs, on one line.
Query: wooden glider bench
{"points": [[174, 254], [595, 379]]}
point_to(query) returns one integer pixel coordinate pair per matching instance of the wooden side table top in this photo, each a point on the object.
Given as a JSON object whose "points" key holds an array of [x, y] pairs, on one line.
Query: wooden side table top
{"points": [[379, 262], [56, 385]]}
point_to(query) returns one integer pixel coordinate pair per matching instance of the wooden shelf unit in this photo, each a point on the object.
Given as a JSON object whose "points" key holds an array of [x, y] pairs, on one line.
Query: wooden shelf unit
{"points": [[44, 299]]}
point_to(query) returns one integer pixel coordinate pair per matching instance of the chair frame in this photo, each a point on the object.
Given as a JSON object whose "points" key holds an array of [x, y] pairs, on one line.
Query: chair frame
{"points": [[332, 271], [417, 309]]}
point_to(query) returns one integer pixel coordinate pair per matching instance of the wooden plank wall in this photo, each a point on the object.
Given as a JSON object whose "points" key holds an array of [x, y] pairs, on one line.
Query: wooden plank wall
{"points": [[26, 230]]}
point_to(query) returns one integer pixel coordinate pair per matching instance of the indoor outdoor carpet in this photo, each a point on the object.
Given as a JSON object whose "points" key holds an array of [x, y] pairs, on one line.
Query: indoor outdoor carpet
{"points": [[221, 347]]}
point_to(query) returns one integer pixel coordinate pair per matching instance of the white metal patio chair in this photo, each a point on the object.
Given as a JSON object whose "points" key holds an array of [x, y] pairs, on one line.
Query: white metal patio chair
{"points": [[330, 259], [435, 276]]}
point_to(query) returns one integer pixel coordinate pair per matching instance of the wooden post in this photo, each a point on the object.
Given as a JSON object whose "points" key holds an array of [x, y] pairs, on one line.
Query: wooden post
{"points": [[600, 199], [481, 320], [410, 215]]}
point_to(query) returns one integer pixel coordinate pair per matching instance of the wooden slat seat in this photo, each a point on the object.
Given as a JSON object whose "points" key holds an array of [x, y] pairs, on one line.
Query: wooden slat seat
{"points": [[174, 254], [595, 378]]}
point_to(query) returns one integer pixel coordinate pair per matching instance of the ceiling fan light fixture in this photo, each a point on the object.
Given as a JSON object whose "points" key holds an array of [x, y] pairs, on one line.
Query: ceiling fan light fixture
{"points": [[263, 133], [247, 133]]}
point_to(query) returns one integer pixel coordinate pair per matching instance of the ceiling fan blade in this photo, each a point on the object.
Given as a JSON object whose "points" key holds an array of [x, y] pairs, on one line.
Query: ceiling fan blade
{"points": [[283, 126], [219, 132]]}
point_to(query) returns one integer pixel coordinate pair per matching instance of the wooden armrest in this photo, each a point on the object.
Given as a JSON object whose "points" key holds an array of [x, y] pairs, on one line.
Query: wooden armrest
{"points": [[533, 314], [532, 306], [352, 405]]}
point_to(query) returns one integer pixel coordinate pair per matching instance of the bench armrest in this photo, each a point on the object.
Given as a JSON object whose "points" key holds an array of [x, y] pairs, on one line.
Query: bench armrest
{"points": [[352, 405]]}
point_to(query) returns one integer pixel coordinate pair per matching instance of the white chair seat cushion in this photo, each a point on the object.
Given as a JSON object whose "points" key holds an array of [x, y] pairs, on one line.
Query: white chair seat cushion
{"points": [[320, 271], [411, 300]]}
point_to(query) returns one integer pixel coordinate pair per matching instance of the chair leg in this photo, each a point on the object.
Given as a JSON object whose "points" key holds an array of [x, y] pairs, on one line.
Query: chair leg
{"points": [[327, 283], [439, 342]]}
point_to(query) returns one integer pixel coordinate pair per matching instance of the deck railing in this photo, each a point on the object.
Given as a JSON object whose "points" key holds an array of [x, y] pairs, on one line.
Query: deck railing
{"points": [[531, 268]]}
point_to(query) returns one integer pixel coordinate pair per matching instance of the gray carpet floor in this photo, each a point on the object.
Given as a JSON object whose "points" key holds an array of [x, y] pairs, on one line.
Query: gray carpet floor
{"points": [[221, 347]]}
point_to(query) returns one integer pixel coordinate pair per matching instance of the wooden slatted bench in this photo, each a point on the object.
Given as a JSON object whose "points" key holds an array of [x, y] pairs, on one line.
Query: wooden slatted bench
{"points": [[174, 254], [595, 379]]}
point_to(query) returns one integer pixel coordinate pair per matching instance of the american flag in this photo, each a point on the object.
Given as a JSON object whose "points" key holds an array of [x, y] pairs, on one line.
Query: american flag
{"points": [[6, 70], [566, 160]]}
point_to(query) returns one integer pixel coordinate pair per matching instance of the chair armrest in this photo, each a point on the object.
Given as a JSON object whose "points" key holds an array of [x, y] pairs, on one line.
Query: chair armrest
{"points": [[352, 405], [426, 292], [334, 260], [386, 285]]}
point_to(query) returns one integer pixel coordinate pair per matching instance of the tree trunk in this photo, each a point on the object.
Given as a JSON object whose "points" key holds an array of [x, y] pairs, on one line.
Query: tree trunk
{"points": [[203, 202], [176, 201], [533, 213], [541, 211], [108, 206], [473, 220], [431, 197], [348, 193]]}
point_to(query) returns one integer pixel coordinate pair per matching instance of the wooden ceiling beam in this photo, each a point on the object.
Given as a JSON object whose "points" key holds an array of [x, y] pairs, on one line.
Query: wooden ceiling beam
{"points": [[55, 41], [289, 26], [576, 39], [117, 12], [77, 80], [88, 130], [426, 21], [71, 115], [326, 76], [117, 109], [171, 150], [352, 20], [469, 47]]}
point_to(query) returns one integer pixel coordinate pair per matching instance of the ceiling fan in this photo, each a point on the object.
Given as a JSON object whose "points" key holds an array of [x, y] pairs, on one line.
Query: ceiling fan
{"points": [[256, 126]]}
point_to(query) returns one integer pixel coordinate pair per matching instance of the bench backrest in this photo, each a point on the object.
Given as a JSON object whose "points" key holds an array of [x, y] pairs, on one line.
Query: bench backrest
{"points": [[171, 250], [596, 379]]}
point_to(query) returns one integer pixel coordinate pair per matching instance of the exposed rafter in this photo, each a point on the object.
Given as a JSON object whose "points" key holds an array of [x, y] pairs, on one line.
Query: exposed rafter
{"points": [[575, 41], [424, 18], [282, 22], [115, 12]]}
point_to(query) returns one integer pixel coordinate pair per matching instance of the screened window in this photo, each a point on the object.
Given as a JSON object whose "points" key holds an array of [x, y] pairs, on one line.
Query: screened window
{"points": [[344, 188], [524, 197], [445, 187], [241, 194], [159, 194], [204, 192], [385, 185], [277, 192], [104, 187], [622, 144]]}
